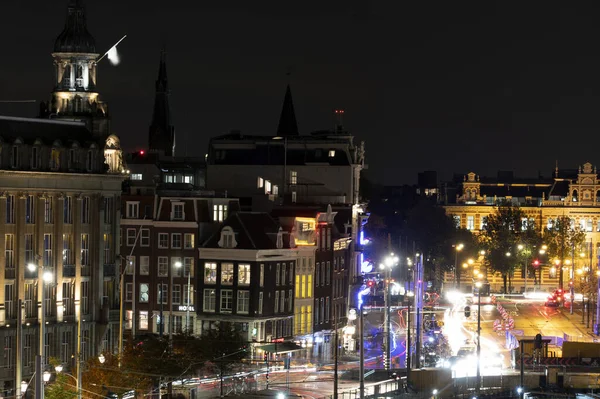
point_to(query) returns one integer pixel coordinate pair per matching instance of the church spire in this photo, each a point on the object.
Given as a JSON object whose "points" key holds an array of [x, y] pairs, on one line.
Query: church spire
{"points": [[287, 121], [162, 133], [75, 37]]}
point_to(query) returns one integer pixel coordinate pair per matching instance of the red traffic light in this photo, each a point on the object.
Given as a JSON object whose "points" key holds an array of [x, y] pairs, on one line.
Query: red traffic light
{"points": [[536, 263], [370, 283]]}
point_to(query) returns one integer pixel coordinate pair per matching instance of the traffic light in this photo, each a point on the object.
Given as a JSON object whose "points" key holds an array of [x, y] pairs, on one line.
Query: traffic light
{"points": [[536, 263], [538, 341], [467, 311], [266, 357]]}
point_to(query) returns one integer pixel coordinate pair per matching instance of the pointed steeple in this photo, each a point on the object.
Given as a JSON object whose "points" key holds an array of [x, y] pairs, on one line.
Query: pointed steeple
{"points": [[287, 121], [75, 37], [162, 133]]}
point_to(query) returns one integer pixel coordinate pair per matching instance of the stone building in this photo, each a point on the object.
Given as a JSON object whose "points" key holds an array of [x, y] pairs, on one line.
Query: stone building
{"points": [[60, 179], [470, 199]]}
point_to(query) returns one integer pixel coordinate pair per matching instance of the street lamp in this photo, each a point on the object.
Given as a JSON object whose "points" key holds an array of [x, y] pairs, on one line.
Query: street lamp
{"points": [[44, 276], [101, 358], [478, 284], [457, 249], [177, 265], [387, 265], [46, 376]]}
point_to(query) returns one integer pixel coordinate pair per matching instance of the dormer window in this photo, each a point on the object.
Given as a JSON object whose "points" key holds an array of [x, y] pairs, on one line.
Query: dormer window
{"points": [[331, 153], [279, 243], [227, 238], [14, 159], [35, 158], [55, 159], [177, 212]]}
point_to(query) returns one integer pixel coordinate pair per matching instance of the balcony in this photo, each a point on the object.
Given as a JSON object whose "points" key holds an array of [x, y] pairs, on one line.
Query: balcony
{"points": [[109, 270], [11, 273], [68, 271]]}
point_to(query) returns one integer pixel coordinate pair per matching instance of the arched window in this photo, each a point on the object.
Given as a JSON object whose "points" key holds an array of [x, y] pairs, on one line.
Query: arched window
{"points": [[574, 195]]}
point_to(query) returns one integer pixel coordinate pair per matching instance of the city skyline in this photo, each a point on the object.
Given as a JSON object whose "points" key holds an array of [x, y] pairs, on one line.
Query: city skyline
{"points": [[462, 78]]}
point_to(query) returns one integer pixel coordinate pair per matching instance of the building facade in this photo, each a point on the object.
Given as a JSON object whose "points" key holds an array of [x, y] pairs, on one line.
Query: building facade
{"points": [[571, 193], [247, 280], [60, 211]]}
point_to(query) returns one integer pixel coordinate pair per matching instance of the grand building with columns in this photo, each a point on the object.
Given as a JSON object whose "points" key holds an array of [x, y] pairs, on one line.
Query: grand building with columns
{"points": [[60, 188], [574, 193]]}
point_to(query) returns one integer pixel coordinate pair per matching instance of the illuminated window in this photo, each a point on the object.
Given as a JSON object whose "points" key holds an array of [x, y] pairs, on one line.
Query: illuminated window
{"points": [[143, 320], [135, 176], [210, 273], [219, 213], [243, 274], [227, 273], [470, 222], [331, 153], [293, 177]]}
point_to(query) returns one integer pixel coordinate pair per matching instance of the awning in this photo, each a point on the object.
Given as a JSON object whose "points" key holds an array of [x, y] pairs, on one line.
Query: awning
{"points": [[280, 347]]}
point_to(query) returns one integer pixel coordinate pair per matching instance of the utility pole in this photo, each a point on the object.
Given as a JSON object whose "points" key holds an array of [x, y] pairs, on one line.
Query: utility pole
{"points": [[19, 351], [335, 353], [361, 377]]}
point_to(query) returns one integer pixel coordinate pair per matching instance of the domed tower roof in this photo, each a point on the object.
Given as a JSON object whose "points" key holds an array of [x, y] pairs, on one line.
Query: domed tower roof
{"points": [[75, 37]]}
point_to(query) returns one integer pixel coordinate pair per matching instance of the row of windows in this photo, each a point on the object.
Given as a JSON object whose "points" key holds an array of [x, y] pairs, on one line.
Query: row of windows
{"points": [[321, 310], [303, 320], [304, 286], [226, 301], [179, 293], [144, 322], [585, 224], [31, 299], [30, 210], [132, 211], [162, 264], [227, 276], [142, 238], [323, 274], [35, 160]]}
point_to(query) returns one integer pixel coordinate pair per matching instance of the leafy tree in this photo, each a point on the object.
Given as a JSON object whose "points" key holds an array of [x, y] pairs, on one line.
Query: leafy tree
{"points": [[564, 239], [500, 237], [108, 377], [63, 387], [434, 234]]}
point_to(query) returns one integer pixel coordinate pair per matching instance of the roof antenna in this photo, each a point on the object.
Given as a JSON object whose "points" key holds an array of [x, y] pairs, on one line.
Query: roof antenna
{"points": [[339, 122]]}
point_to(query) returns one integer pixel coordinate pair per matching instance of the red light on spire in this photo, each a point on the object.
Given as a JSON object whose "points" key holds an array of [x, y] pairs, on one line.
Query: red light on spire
{"points": [[142, 152]]}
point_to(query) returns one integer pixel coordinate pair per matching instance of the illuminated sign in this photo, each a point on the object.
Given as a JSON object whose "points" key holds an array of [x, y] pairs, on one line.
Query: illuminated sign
{"points": [[184, 308]]}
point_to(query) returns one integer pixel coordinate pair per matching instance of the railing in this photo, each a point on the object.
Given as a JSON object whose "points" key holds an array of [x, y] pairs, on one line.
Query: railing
{"points": [[11, 273], [68, 271]]}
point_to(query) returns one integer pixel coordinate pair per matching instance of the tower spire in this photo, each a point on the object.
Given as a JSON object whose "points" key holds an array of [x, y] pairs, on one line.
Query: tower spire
{"points": [[287, 121], [162, 133]]}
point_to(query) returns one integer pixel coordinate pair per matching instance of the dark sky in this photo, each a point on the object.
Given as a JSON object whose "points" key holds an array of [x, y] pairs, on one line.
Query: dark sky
{"points": [[448, 86]]}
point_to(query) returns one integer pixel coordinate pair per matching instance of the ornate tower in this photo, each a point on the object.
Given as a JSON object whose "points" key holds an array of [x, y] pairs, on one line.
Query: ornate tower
{"points": [[74, 96], [161, 135]]}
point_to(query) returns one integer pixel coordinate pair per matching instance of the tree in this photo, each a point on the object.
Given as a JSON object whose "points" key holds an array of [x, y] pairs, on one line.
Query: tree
{"points": [[501, 234], [564, 239], [108, 377], [435, 233], [63, 387]]}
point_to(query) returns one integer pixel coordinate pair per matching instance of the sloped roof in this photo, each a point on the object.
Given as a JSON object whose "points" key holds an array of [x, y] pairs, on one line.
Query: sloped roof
{"points": [[48, 131], [253, 230]]}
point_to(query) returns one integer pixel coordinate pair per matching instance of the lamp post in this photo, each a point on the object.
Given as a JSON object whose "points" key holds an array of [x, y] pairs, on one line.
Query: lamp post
{"points": [[387, 265], [44, 276], [457, 249], [478, 284], [177, 265], [187, 308]]}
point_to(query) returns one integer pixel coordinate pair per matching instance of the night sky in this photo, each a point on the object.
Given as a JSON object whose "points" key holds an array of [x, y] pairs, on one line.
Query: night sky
{"points": [[447, 86]]}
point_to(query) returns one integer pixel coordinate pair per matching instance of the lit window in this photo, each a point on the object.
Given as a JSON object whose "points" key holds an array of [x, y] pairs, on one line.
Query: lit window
{"points": [[260, 183], [143, 320], [188, 241], [331, 153], [219, 213], [144, 293], [136, 176], [227, 273], [210, 273], [470, 222], [293, 177], [243, 274]]}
